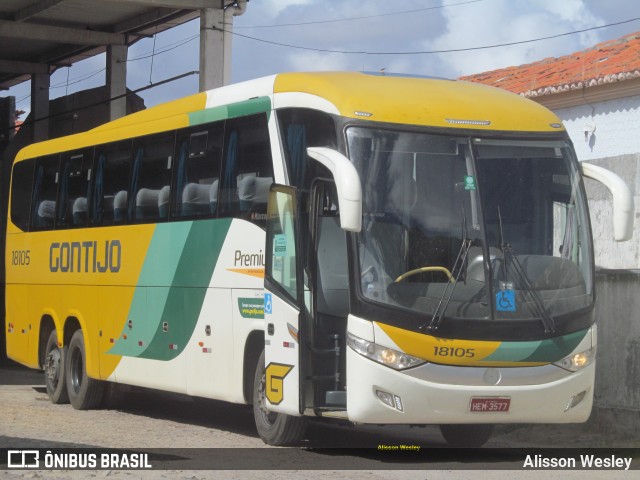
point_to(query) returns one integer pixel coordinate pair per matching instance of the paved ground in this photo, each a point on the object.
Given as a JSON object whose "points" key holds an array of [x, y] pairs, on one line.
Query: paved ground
{"points": [[159, 420]]}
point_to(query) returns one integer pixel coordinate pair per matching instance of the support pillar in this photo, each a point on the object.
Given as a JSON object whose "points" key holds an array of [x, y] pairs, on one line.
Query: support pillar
{"points": [[7, 121], [117, 80], [211, 48], [40, 83]]}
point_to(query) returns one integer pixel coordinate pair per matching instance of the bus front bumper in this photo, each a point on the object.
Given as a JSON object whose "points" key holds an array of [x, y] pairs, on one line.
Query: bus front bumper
{"points": [[381, 395]]}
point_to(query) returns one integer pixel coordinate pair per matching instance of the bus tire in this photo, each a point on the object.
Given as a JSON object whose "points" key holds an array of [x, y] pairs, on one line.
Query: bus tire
{"points": [[84, 393], [467, 436], [274, 428], [54, 365]]}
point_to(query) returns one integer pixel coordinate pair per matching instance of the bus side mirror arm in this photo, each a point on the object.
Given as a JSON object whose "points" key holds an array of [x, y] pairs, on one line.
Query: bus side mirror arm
{"points": [[347, 184], [623, 207]]}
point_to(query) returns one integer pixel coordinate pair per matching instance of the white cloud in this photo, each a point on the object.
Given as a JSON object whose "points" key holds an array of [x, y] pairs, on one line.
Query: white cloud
{"points": [[481, 23], [317, 61], [501, 21], [277, 6]]}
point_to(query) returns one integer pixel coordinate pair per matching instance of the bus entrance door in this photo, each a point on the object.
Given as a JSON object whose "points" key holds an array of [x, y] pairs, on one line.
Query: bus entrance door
{"points": [[283, 302]]}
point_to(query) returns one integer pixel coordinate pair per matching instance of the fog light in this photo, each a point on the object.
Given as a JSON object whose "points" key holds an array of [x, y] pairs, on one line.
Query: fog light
{"points": [[390, 400], [575, 400]]}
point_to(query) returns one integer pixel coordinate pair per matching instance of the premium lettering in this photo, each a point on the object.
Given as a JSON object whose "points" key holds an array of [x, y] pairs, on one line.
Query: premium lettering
{"points": [[248, 260]]}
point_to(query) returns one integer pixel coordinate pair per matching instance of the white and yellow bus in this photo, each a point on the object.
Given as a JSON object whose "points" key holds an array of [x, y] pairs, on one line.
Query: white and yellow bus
{"points": [[381, 249]]}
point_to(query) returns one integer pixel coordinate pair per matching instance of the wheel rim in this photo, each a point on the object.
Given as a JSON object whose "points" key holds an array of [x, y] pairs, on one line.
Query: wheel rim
{"points": [[267, 416], [75, 370], [52, 367]]}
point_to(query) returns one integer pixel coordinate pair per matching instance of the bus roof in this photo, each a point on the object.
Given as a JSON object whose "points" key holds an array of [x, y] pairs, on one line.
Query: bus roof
{"points": [[390, 98], [422, 101]]}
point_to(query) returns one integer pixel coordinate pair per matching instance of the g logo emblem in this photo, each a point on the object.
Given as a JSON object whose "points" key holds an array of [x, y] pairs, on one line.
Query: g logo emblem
{"points": [[274, 388]]}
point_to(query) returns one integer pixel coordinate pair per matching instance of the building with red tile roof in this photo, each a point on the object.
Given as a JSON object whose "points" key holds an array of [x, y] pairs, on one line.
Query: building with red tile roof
{"points": [[596, 94], [609, 63]]}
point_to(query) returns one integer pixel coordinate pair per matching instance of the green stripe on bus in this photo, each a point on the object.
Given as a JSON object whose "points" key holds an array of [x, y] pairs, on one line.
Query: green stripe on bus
{"points": [[171, 288], [234, 110], [152, 289], [547, 351], [555, 349], [186, 295]]}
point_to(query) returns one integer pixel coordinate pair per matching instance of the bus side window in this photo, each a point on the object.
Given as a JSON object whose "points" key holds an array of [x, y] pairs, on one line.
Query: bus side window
{"points": [[197, 177], [22, 184], [301, 128], [110, 183], [149, 189], [247, 170], [73, 191], [45, 189]]}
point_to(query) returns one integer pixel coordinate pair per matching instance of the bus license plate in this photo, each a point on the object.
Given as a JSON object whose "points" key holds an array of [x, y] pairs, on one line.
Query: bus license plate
{"points": [[490, 404]]}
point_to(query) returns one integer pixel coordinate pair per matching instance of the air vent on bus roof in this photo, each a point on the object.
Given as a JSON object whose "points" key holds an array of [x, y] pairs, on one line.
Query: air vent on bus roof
{"points": [[403, 75]]}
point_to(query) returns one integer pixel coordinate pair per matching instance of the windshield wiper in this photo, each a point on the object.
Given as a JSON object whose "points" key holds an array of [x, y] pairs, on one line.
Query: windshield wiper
{"points": [[510, 259], [456, 272]]}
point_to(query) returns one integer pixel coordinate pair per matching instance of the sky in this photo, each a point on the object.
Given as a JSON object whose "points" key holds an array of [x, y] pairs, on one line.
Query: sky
{"points": [[301, 35]]}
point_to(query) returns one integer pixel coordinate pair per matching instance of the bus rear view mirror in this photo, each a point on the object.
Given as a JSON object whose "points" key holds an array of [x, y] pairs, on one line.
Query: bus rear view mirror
{"points": [[623, 208], [347, 184]]}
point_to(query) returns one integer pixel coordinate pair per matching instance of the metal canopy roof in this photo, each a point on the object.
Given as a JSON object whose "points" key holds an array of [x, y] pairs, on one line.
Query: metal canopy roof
{"points": [[38, 36]]}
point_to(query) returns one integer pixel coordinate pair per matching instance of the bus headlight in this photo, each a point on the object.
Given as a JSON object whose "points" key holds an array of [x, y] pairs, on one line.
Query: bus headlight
{"points": [[577, 361], [383, 355]]}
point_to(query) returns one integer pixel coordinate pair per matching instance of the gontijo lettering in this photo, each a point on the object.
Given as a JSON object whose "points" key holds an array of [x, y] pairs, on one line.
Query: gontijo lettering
{"points": [[85, 257]]}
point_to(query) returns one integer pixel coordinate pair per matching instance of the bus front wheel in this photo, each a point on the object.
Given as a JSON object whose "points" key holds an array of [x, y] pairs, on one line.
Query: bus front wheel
{"points": [[274, 428], [467, 436], [84, 393], [54, 379]]}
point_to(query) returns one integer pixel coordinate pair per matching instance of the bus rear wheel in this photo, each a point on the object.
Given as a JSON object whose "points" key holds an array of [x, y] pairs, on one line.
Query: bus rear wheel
{"points": [[54, 378], [467, 436], [274, 428], [84, 393]]}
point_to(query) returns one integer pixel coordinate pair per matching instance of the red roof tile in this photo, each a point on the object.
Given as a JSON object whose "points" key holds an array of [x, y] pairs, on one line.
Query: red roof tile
{"points": [[607, 62]]}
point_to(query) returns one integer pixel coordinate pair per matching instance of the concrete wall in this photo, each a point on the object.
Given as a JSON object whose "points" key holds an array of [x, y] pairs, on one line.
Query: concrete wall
{"points": [[615, 145], [609, 253], [617, 391]]}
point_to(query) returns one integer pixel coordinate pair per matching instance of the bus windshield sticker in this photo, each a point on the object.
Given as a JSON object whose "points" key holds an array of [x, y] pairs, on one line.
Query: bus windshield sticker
{"points": [[469, 182], [506, 301], [280, 245]]}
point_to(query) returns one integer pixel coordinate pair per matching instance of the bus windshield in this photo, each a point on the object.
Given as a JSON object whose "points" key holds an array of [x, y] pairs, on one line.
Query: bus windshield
{"points": [[456, 227]]}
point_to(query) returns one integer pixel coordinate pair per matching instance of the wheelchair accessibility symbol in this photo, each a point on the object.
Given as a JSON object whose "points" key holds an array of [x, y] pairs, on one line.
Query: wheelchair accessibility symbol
{"points": [[268, 303], [506, 301]]}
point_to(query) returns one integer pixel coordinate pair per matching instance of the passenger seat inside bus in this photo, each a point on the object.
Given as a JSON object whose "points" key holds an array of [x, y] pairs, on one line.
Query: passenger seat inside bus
{"points": [[120, 206], [253, 192], [79, 211], [163, 202], [199, 198], [46, 213], [147, 203]]}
